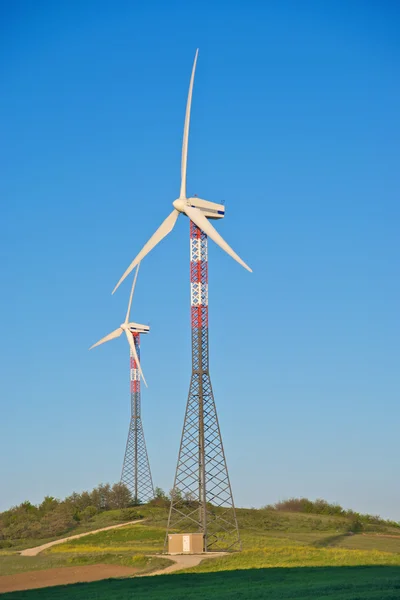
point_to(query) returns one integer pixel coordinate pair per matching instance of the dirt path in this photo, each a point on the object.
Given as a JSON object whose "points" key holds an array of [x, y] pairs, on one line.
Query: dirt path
{"points": [[35, 551], [61, 576], [183, 561]]}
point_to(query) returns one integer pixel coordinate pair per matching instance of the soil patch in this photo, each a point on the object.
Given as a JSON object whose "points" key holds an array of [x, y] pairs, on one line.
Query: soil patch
{"points": [[183, 561], [62, 576]]}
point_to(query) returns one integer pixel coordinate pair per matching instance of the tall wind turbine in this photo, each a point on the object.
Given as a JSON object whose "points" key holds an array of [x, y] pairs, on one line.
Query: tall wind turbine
{"points": [[198, 210], [136, 474], [201, 478]]}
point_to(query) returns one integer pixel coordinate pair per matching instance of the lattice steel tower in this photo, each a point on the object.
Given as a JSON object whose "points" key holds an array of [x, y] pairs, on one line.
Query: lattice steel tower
{"points": [[202, 496], [136, 469], [136, 474]]}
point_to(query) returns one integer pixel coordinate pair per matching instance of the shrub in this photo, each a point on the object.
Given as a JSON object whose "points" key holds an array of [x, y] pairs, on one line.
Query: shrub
{"points": [[130, 514], [322, 507], [88, 513]]}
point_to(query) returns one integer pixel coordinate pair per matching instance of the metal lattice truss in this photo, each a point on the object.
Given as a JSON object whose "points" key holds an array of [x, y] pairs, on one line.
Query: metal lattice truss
{"points": [[202, 497], [136, 474]]}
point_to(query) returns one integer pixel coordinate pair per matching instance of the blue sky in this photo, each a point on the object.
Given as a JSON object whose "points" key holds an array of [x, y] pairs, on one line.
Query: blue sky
{"points": [[295, 126]]}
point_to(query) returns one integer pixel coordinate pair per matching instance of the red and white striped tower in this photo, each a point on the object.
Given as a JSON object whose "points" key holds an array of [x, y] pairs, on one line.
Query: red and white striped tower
{"points": [[202, 497], [136, 474]]}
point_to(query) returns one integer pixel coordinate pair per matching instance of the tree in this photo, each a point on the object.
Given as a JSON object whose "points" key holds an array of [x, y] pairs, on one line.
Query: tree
{"points": [[160, 498], [57, 521], [79, 501], [120, 496], [160, 494], [85, 501], [49, 503], [175, 494], [88, 513], [100, 496]]}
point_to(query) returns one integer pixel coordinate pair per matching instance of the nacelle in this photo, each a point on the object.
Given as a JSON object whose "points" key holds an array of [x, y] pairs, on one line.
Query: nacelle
{"points": [[137, 328], [211, 210]]}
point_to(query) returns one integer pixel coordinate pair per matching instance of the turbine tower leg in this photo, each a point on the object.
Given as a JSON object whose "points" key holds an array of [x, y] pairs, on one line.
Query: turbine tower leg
{"points": [[202, 497], [136, 474]]}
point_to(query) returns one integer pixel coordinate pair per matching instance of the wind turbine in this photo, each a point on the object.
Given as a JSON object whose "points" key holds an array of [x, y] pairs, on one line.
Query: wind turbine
{"points": [[197, 209], [201, 473], [129, 329], [136, 473]]}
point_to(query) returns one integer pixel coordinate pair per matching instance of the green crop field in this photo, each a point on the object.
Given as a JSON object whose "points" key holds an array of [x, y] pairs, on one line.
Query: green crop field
{"points": [[330, 583]]}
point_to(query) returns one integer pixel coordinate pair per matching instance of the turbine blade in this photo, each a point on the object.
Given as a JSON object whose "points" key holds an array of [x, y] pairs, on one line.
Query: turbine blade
{"points": [[201, 221], [133, 348], [165, 228], [131, 296], [186, 131], [108, 337]]}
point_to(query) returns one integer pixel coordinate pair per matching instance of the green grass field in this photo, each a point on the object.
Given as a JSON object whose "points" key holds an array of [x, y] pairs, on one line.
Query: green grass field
{"points": [[330, 583]]}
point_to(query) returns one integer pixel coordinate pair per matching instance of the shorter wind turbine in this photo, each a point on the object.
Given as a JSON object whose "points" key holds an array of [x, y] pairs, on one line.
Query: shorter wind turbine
{"points": [[129, 329], [136, 474]]}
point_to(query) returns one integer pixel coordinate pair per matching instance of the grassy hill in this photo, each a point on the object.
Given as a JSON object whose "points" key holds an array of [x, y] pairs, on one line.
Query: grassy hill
{"points": [[259, 529], [316, 554], [269, 537], [27, 525]]}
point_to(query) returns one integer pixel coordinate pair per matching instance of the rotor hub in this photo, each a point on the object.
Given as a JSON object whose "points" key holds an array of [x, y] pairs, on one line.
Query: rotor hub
{"points": [[179, 204]]}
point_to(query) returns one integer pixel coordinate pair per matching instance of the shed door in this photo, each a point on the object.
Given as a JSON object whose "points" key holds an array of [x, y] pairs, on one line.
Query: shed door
{"points": [[186, 543]]}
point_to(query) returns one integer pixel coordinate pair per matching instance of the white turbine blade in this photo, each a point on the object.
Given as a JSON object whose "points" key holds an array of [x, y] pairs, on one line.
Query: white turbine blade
{"points": [[108, 337], [133, 348], [131, 296], [165, 228], [186, 131], [201, 221]]}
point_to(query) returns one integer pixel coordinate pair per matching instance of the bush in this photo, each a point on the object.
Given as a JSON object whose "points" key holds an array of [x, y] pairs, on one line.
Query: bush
{"points": [[322, 507], [130, 514], [55, 517], [88, 513], [355, 526]]}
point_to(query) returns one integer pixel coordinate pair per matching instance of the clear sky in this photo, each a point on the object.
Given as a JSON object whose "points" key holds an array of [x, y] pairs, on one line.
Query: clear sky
{"points": [[295, 125]]}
